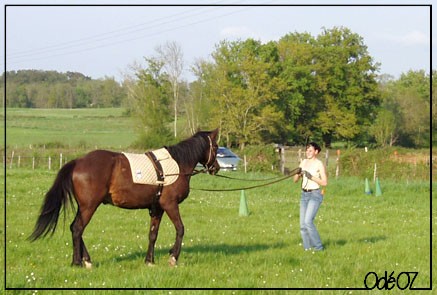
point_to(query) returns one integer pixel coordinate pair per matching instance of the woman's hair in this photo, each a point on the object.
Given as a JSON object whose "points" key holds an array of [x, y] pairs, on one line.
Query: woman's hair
{"points": [[315, 146]]}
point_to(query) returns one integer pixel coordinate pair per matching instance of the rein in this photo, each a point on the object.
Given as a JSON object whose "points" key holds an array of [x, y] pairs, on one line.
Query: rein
{"points": [[245, 179], [293, 172]]}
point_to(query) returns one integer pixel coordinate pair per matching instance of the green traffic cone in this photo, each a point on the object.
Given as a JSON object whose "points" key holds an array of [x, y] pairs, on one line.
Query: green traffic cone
{"points": [[367, 188], [243, 205], [378, 191]]}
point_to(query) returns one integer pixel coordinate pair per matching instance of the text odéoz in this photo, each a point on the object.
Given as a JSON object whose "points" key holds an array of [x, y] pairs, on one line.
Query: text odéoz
{"points": [[402, 281]]}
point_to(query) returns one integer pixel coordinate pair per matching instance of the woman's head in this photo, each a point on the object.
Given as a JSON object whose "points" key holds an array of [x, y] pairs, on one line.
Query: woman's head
{"points": [[315, 146]]}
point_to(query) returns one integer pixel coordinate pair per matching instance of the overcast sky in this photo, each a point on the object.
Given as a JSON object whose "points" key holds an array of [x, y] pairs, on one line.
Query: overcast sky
{"points": [[103, 41]]}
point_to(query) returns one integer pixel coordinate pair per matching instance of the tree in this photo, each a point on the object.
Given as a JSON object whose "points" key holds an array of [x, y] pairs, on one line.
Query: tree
{"points": [[19, 97], [298, 99], [148, 94], [171, 57], [50, 89], [198, 107], [242, 89], [434, 107], [384, 128], [408, 99], [345, 77], [414, 98]]}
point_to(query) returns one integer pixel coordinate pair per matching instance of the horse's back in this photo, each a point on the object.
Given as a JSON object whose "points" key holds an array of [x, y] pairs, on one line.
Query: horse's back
{"points": [[98, 161], [93, 171], [99, 155]]}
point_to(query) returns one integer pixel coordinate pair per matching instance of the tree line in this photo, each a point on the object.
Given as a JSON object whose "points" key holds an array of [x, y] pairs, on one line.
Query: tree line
{"points": [[299, 88], [51, 89]]}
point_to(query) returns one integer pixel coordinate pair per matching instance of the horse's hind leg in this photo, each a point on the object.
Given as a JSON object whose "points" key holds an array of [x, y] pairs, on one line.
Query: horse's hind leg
{"points": [[80, 253], [155, 221]]}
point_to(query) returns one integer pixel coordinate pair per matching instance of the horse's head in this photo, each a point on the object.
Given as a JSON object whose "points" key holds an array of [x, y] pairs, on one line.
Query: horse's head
{"points": [[210, 161]]}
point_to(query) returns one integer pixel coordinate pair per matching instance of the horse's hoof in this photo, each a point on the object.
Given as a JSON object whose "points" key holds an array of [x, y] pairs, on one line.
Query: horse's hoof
{"points": [[150, 264], [172, 261], [87, 264], [77, 264]]}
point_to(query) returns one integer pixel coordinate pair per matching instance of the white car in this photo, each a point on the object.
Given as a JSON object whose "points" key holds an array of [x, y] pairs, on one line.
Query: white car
{"points": [[227, 159]]}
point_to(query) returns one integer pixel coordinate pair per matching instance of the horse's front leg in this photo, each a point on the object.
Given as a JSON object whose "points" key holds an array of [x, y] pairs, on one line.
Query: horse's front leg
{"points": [[155, 221], [175, 217]]}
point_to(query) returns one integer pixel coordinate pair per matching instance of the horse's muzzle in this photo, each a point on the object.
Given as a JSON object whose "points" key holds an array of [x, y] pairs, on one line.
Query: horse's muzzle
{"points": [[214, 169]]}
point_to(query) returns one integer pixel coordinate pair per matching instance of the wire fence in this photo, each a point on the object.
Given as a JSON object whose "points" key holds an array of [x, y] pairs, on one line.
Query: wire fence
{"points": [[51, 162], [337, 163], [365, 162]]}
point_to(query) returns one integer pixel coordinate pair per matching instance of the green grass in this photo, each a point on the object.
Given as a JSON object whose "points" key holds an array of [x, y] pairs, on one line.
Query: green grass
{"points": [[221, 249], [69, 128]]}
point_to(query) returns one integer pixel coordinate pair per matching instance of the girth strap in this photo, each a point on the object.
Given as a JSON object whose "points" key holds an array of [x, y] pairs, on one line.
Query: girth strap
{"points": [[160, 181]]}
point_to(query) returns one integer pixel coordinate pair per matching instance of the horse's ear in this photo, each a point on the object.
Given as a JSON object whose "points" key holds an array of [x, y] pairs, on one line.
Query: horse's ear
{"points": [[214, 134]]}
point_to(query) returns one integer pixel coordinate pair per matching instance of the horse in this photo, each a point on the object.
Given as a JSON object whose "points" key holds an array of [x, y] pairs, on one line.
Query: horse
{"points": [[103, 176]]}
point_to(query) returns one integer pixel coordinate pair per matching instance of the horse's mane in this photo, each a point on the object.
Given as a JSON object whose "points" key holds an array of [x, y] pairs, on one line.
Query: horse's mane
{"points": [[191, 150]]}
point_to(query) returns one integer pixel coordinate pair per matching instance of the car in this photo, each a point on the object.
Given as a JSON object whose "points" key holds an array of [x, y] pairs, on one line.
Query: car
{"points": [[227, 159]]}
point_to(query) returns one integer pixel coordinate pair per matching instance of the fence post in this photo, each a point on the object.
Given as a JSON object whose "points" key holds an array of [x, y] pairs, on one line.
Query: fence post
{"points": [[337, 168], [19, 161], [374, 173], [33, 163], [50, 163], [12, 159], [60, 160], [282, 161]]}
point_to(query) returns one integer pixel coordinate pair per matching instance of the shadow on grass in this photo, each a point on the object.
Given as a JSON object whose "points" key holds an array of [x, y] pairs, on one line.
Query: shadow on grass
{"points": [[231, 249], [336, 243], [224, 249], [342, 242], [372, 240]]}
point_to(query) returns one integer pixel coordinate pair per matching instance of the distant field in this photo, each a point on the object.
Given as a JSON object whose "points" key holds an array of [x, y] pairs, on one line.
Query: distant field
{"points": [[40, 133], [102, 128]]}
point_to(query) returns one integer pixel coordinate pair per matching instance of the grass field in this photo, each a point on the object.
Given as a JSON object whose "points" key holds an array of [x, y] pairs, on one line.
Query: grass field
{"points": [[361, 233], [69, 127]]}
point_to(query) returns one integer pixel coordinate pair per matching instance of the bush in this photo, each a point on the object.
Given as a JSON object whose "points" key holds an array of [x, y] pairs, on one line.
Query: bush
{"points": [[155, 139], [52, 145], [391, 163], [260, 158]]}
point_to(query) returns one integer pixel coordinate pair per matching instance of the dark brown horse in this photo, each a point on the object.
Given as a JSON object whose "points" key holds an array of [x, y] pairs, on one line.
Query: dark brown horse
{"points": [[105, 177]]}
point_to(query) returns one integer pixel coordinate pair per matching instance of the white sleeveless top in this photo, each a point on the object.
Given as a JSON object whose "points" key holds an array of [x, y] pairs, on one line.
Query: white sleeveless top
{"points": [[314, 169]]}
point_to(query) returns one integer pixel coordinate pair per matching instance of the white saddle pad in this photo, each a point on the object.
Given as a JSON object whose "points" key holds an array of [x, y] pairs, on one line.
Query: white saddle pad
{"points": [[143, 170]]}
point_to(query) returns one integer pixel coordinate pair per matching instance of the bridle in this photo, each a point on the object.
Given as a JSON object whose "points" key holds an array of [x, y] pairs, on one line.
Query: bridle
{"points": [[209, 165]]}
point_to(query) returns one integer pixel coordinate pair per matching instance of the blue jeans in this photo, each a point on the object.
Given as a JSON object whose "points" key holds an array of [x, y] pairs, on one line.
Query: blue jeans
{"points": [[309, 205]]}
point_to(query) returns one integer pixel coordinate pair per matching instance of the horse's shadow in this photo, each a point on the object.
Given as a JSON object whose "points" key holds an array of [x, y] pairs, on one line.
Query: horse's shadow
{"points": [[231, 249], [225, 249]]}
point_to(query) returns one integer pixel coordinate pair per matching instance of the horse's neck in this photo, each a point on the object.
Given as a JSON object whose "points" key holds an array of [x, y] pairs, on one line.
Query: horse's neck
{"points": [[186, 164], [187, 169]]}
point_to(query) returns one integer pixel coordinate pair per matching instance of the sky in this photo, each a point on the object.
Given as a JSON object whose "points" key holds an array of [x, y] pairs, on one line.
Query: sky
{"points": [[105, 41]]}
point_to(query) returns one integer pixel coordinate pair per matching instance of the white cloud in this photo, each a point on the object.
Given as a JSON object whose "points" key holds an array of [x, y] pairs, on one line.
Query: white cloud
{"points": [[237, 32], [405, 39], [413, 38]]}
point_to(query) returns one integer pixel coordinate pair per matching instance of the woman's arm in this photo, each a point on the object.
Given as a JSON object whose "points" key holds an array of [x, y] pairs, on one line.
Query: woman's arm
{"points": [[323, 179]]}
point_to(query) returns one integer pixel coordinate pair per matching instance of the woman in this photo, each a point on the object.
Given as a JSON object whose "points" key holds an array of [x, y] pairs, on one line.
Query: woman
{"points": [[313, 175]]}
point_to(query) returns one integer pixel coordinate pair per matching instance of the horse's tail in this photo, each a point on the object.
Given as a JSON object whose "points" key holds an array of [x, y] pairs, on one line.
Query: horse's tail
{"points": [[59, 195]]}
